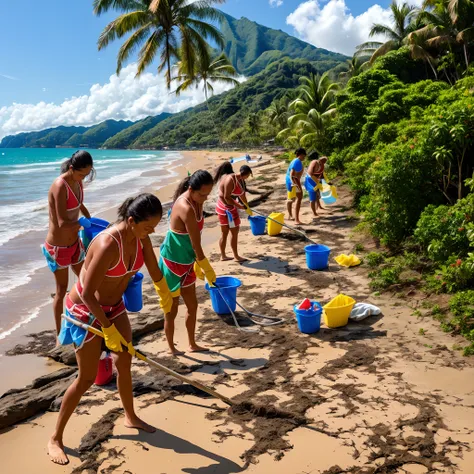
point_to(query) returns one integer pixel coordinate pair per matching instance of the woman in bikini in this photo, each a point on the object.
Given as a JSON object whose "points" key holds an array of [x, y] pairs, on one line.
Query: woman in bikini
{"points": [[231, 186], [62, 247], [113, 258], [181, 255], [313, 179]]}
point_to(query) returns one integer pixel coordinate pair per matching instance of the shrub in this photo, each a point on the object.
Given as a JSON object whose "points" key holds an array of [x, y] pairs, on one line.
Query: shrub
{"points": [[462, 307]]}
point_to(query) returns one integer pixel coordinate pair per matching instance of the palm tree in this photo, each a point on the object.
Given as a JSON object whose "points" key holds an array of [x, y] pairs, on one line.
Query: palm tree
{"points": [[445, 27], [356, 65], [207, 71], [279, 113], [253, 122], [172, 29], [313, 108], [396, 36]]}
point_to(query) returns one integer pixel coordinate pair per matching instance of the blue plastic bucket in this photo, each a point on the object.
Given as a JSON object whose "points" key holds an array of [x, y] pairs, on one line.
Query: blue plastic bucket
{"points": [[317, 256], [97, 226], [309, 321], [132, 297], [228, 287], [328, 199], [257, 224]]}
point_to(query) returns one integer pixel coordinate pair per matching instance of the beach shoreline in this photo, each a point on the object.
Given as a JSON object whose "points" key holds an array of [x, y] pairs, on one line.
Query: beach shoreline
{"points": [[19, 370], [367, 396]]}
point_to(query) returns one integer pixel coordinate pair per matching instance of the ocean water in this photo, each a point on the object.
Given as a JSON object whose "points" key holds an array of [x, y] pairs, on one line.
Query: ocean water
{"points": [[26, 175]]}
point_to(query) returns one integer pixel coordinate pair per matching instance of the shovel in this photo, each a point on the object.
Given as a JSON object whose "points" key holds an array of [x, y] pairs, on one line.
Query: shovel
{"points": [[287, 226], [155, 364]]}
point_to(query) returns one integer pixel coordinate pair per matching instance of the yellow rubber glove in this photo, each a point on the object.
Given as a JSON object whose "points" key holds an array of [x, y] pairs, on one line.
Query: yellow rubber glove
{"points": [[318, 187], [325, 177], [164, 294], [203, 269], [248, 211], [113, 339]]}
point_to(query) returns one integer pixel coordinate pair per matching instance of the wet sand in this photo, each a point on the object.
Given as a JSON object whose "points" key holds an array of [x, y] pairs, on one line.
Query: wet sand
{"points": [[371, 397]]}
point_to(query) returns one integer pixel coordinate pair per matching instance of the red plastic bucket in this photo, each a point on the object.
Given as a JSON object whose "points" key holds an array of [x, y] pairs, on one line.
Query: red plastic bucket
{"points": [[105, 372]]}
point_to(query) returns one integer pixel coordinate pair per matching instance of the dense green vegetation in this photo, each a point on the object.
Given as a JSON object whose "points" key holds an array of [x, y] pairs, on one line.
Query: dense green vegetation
{"points": [[402, 137], [48, 138], [95, 136], [252, 47], [196, 127], [127, 136]]}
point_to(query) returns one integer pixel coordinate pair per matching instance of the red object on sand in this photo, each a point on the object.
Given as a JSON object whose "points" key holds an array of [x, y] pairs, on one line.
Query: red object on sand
{"points": [[105, 371], [305, 304]]}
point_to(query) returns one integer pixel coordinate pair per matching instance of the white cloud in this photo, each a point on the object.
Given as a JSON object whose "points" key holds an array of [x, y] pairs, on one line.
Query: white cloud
{"points": [[122, 98], [11, 78], [275, 3], [332, 26]]}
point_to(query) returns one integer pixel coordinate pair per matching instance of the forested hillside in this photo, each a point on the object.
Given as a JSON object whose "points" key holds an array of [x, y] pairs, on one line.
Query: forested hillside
{"points": [[226, 118], [251, 47]]}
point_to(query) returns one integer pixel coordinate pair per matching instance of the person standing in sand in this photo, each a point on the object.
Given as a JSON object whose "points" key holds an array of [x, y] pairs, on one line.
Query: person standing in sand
{"points": [[113, 258], [63, 248], [231, 186], [293, 184], [181, 255], [313, 179]]}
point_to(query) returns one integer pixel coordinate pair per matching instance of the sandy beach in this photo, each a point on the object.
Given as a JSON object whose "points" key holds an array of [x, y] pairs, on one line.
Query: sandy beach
{"points": [[372, 397]]}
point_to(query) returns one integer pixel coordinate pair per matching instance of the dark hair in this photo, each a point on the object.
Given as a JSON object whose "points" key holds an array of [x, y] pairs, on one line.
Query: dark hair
{"points": [[140, 208], [79, 160], [245, 170], [300, 151], [196, 181], [314, 155], [225, 168]]}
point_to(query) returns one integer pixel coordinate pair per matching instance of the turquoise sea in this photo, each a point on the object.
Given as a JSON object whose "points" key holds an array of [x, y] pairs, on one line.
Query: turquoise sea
{"points": [[25, 177]]}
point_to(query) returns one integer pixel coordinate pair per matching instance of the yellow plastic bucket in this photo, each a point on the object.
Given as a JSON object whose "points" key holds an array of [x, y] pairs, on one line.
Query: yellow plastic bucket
{"points": [[273, 228], [337, 311]]}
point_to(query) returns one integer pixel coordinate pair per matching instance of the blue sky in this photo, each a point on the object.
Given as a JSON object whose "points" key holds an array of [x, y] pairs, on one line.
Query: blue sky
{"points": [[48, 48]]}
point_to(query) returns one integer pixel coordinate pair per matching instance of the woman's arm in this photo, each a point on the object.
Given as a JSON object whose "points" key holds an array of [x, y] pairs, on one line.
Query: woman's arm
{"points": [[227, 188], [85, 212], [103, 258], [59, 194], [151, 262]]}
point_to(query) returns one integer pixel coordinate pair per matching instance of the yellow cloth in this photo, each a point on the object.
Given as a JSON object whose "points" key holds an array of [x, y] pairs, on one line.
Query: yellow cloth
{"points": [[292, 193], [348, 260], [164, 294], [318, 187]]}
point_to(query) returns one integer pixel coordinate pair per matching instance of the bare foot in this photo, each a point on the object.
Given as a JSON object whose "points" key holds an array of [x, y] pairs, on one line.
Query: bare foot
{"points": [[139, 425], [196, 348], [175, 352], [225, 258], [241, 259], [298, 222], [291, 218], [56, 452]]}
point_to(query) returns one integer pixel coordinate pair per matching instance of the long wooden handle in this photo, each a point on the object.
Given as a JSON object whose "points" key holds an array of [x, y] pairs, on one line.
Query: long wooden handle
{"points": [[153, 363], [285, 225]]}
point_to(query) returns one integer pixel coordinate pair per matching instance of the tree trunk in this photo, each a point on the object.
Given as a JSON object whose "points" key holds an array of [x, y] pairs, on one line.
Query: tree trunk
{"points": [[466, 58], [168, 62], [433, 69]]}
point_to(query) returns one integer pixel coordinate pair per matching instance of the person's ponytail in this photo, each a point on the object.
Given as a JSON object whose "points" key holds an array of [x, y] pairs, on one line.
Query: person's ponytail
{"points": [[224, 168], [65, 165], [183, 186]]}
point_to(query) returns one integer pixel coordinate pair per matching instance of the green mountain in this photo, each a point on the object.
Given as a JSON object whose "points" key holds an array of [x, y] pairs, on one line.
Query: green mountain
{"points": [[127, 136], [251, 47], [45, 138], [199, 126], [95, 136]]}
